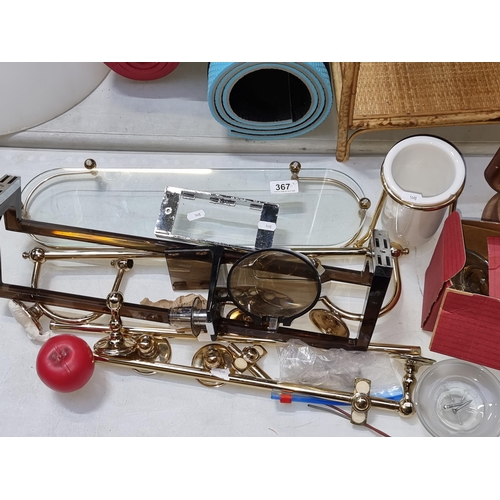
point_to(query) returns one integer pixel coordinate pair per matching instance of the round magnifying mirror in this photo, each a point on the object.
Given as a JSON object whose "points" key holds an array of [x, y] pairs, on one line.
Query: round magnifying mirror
{"points": [[274, 283]]}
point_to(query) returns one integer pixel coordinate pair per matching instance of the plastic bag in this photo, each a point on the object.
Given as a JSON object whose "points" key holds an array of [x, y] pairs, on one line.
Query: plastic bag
{"points": [[336, 369]]}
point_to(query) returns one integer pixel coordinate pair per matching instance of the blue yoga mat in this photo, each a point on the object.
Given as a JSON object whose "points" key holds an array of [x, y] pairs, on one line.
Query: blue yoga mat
{"points": [[269, 100]]}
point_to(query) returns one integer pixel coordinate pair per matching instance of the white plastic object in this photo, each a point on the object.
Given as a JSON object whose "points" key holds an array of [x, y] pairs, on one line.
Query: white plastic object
{"points": [[32, 93], [422, 176]]}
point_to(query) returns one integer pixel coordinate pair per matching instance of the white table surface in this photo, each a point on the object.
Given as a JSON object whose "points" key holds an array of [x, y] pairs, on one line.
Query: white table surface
{"points": [[121, 402]]}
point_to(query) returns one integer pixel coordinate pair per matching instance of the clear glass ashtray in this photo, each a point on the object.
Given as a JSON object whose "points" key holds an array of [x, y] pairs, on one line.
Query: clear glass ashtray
{"points": [[326, 209], [458, 398]]}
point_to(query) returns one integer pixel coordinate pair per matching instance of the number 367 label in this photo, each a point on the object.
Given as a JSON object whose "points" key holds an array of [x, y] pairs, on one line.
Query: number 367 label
{"points": [[279, 187]]}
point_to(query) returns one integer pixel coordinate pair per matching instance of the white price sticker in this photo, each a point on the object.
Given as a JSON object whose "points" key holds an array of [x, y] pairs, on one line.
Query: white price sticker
{"points": [[279, 187], [412, 197], [199, 214], [267, 226], [222, 373]]}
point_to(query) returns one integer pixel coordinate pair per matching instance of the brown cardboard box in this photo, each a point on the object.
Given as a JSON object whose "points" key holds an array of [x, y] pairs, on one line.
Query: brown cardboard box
{"points": [[464, 325]]}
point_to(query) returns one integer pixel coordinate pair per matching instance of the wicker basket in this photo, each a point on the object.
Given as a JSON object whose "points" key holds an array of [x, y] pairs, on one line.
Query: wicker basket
{"points": [[379, 96]]}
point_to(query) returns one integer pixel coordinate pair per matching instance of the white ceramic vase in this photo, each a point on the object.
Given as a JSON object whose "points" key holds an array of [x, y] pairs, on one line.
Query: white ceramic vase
{"points": [[422, 176]]}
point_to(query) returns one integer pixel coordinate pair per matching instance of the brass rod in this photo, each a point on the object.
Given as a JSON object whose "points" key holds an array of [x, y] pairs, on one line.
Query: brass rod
{"points": [[102, 328], [245, 380], [363, 239], [99, 254], [37, 266], [394, 348], [343, 251], [119, 278], [175, 334]]}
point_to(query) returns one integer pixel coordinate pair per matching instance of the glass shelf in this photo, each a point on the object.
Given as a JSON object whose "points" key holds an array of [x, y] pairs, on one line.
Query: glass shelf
{"points": [[327, 211]]}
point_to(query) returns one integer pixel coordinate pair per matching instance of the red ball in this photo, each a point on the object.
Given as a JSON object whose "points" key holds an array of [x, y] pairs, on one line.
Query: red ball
{"points": [[65, 363]]}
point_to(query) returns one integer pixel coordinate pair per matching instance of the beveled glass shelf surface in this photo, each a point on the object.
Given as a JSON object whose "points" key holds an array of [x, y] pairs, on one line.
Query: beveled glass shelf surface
{"points": [[324, 210]]}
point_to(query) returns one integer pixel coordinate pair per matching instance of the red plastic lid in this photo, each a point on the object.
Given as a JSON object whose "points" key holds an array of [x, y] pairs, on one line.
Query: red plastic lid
{"points": [[143, 70]]}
